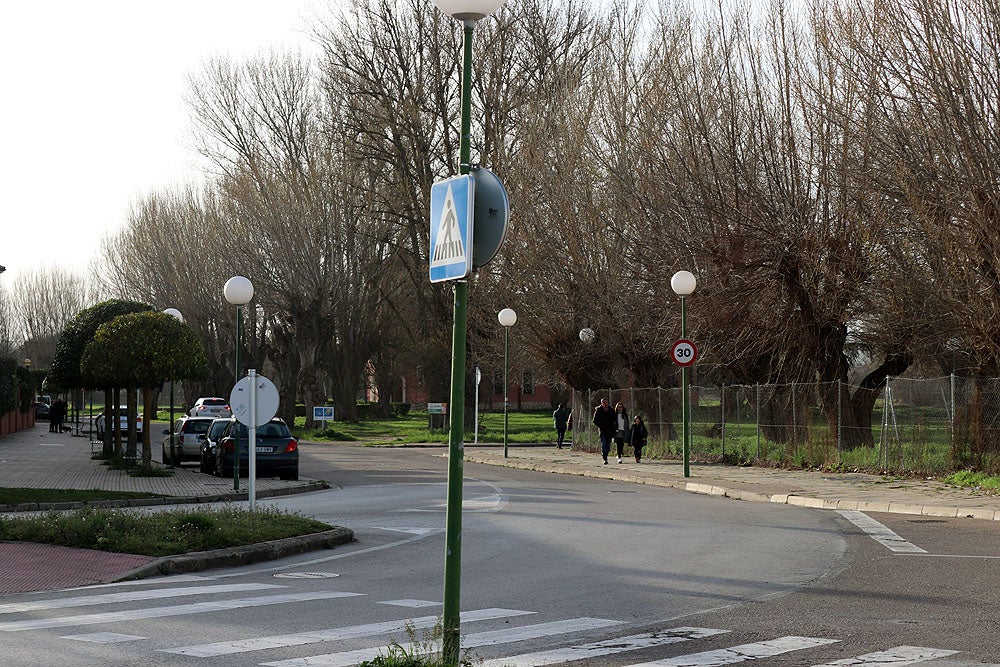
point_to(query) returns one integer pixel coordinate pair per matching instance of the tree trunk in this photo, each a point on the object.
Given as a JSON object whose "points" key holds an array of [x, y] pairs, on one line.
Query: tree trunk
{"points": [[148, 414]]}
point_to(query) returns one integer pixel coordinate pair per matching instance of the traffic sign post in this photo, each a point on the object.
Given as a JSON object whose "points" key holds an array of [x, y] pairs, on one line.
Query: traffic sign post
{"points": [[254, 402]]}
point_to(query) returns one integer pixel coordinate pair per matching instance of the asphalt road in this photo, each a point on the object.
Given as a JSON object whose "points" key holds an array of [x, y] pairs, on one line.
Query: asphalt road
{"points": [[554, 568]]}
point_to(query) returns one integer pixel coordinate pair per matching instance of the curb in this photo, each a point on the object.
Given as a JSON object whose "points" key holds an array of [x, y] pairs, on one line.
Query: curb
{"points": [[243, 555], [796, 500]]}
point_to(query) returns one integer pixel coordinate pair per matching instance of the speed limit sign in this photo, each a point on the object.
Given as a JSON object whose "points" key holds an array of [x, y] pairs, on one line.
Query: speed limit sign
{"points": [[684, 352]]}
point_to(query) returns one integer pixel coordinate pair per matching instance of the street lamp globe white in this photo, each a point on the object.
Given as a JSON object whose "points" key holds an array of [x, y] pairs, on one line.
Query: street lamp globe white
{"points": [[238, 291], [587, 335], [469, 10], [174, 313], [683, 283], [507, 317]]}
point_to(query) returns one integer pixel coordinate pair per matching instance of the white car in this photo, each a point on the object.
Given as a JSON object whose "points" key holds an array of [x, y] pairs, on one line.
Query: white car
{"points": [[100, 421], [217, 408]]}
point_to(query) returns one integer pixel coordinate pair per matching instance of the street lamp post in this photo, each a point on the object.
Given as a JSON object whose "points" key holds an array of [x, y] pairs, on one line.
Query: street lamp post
{"points": [[176, 314], [508, 318], [468, 12], [683, 284], [238, 292]]}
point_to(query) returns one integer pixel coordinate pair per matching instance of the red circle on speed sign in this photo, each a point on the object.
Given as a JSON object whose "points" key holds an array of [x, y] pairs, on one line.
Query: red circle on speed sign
{"points": [[684, 352]]}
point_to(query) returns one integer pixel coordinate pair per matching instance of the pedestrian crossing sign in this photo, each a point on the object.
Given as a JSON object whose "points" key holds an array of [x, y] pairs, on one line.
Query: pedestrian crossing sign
{"points": [[451, 228]]}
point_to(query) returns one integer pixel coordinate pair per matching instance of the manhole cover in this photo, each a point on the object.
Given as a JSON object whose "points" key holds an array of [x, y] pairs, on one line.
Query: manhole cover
{"points": [[306, 575]]}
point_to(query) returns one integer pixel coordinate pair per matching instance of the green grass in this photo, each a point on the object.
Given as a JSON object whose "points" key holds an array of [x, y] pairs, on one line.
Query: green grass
{"points": [[523, 427], [159, 534], [974, 480]]}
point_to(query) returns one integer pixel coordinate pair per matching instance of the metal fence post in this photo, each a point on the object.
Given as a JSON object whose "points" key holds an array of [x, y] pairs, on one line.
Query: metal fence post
{"points": [[758, 420], [722, 405], [840, 419], [952, 420], [659, 410]]}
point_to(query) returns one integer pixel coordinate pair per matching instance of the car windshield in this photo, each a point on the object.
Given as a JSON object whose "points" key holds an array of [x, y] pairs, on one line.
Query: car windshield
{"points": [[217, 428], [214, 401]]}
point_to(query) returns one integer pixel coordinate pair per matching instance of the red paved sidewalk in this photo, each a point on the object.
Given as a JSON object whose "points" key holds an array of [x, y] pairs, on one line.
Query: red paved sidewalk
{"points": [[35, 567]]}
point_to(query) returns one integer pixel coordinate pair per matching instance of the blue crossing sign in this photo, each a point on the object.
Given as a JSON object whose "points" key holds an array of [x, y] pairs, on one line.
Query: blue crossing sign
{"points": [[452, 216]]}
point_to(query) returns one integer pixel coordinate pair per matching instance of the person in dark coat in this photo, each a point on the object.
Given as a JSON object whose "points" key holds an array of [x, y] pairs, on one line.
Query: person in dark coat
{"points": [[559, 418], [57, 413], [637, 436], [607, 424]]}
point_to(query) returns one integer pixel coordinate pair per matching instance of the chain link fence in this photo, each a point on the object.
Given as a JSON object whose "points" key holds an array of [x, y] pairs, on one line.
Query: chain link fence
{"points": [[911, 426]]}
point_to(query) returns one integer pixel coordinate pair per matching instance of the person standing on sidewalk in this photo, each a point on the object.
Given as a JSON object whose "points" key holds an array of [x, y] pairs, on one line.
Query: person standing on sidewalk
{"points": [[637, 436], [621, 429], [606, 423], [559, 418]]}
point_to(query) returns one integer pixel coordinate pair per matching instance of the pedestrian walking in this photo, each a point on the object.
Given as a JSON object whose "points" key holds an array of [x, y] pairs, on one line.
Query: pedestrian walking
{"points": [[621, 429], [56, 415], [637, 436], [559, 419], [604, 420]]}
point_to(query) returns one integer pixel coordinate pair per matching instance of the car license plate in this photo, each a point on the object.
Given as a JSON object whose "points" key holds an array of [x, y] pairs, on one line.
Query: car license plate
{"points": [[265, 450]]}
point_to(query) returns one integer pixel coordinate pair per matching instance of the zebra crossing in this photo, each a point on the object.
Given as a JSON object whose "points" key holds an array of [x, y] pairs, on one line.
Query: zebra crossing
{"points": [[495, 645]]}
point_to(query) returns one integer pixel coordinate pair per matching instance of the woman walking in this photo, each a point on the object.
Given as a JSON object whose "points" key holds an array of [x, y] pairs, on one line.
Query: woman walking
{"points": [[621, 429]]}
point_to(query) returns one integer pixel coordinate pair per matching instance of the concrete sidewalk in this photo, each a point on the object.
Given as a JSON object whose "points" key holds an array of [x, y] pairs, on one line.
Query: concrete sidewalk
{"points": [[846, 491], [35, 458]]}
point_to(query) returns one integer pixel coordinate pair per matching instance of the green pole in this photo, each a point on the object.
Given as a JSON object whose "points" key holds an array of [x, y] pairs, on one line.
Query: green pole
{"points": [[239, 344], [685, 404], [506, 384], [451, 644]]}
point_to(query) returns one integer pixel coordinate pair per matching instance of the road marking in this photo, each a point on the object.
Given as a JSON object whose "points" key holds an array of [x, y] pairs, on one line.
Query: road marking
{"points": [[901, 655], [409, 602], [742, 653], [880, 532], [335, 634], [110, 598], [162, 612], [104, 638], [607, 647], [474, 640]]}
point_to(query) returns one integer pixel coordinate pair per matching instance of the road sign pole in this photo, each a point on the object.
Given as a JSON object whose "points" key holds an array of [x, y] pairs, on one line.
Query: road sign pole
{"points": [[252, 445], [685, 405]]}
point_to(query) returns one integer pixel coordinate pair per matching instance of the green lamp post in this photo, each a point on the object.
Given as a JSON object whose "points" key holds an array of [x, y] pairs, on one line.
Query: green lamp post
{"points": [[468, 12], [508, 318], [683, 284]]}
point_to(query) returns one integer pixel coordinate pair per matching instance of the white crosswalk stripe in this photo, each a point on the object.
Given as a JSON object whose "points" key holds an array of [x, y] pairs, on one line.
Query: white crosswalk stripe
{"points": [[602, 648], [895, 657], [335, 634], [161, 612], [473, 640], [133, 596], [742, 653]]}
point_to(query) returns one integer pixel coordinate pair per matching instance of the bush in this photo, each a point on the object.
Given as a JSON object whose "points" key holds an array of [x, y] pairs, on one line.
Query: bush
{"points": [[400, 409]]}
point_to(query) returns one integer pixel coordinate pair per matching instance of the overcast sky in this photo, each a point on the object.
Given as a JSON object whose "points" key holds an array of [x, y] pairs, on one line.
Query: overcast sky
{"points": [[92, 115]]}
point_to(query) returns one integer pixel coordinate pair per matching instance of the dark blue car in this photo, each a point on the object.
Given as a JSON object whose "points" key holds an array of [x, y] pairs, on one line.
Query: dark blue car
{"points": [[277, 450]]}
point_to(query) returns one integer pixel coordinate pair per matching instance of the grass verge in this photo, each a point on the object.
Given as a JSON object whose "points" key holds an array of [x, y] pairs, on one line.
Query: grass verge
{"points": [[158, 534], [20, 495]]}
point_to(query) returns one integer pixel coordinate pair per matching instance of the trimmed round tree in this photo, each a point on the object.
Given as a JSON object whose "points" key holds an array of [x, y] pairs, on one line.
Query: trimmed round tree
{"points": [[144, 349]]}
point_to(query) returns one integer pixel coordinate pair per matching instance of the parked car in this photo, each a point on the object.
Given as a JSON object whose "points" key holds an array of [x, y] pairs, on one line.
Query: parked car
{"points": [[209, 445], [211, 407], [100, 421], [277, 450], [41, 410], [188, 433]]}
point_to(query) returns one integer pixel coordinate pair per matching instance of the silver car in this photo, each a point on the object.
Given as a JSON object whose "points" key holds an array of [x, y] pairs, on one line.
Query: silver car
{"points": [[188, 435], [217, 408]]}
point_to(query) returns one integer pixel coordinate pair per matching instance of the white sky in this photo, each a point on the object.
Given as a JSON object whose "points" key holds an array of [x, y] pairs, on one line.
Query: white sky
{"points": [[91, 112]]}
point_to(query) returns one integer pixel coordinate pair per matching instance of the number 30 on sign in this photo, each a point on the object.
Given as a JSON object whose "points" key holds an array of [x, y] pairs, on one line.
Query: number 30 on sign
{"points": [[684, 352]]}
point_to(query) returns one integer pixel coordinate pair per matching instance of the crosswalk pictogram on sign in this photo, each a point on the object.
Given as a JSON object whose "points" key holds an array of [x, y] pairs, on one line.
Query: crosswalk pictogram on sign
{"points": [[448, 247], [451, 228]]}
